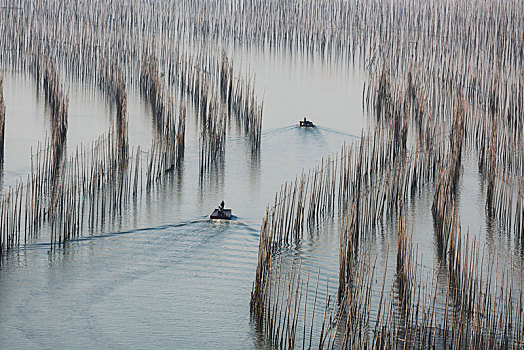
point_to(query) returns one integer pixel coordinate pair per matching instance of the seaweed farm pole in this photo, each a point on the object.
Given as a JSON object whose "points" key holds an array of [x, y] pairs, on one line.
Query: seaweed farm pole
{"points": [[121, 120], [181, 135]]}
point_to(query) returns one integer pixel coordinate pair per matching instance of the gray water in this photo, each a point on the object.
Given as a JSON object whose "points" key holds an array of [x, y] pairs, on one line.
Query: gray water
{"points": [[162, 275]]}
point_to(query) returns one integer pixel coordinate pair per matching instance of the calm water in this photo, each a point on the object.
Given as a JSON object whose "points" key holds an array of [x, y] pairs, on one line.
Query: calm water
{"points": [[163, 275]]}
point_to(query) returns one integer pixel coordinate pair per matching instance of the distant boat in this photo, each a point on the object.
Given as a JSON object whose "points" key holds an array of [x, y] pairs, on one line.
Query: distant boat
{"points": [[306, 123], [225, 215]]}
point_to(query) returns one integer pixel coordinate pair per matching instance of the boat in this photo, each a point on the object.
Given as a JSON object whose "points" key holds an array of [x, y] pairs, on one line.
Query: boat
{"points": [[225, 215], [306, 123]]}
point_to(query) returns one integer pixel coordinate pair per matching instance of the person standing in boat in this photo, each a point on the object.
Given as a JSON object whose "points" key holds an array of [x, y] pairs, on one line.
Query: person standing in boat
{"points": [[221, 208]]}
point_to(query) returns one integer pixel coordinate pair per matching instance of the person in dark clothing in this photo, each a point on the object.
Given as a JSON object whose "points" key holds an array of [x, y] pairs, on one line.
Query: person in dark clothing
{"points": [[221, 208]]}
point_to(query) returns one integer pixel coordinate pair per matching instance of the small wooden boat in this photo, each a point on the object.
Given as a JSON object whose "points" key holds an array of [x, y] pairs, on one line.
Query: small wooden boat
{"points": [[225, 215], [306, 123]]}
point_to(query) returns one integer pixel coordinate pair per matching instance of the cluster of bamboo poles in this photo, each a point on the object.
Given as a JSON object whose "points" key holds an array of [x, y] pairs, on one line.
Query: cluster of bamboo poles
{"points": [[112, 82], [241, 100], [46, 75], [288, 297], [367, 31], [11, 217], [484, 127], [414, 144], [210, 85], [198, 78], [479, 305], [248, 112], [141, 41], [209, 80], [443, 207], [212, 137], [89, 188], [498, 151], [504, 198], [471, 315], [519, 212], [370, 198], [313, 197], [478, 308], [93, 185], [171, 141]]}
